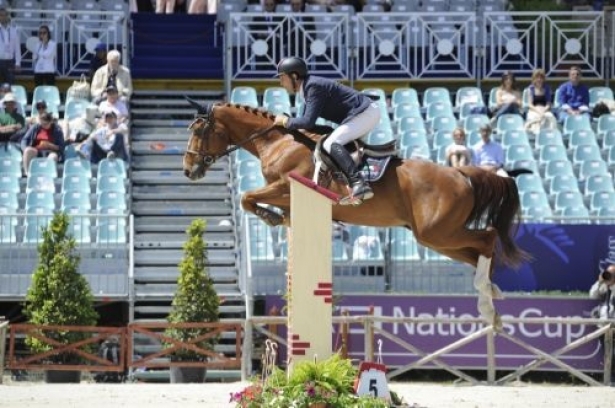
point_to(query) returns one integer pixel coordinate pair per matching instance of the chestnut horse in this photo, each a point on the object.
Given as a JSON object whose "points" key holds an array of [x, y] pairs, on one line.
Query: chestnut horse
{"points": [[458, 212]]}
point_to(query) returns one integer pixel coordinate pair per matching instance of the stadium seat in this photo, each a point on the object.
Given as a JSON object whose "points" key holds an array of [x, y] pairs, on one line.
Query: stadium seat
{"points": [[411, 123], [509, 122], [42, 165], [338, 252], [275, 94], [469, 94], [599, 92], [549, 153], [9, 199], [75, 108], [606, 214], [605, 124], [443, 123], [277, 108], [78, 166], [555, 167], [8, 226], [601, 199], [379, 137], [597, 183], [529, 182], [36, 219], [576, 122], [608, 140], [20, 93], [42, 199], [518, 152], [75, 199], [591, 167], [250, 182], [9, 182], [404, 95], [404, 110], [474, 122], [576, 215], [111, 199], [244, 95], [441, 138], [419, 151], [436, 94], [113, 167], [563, 182], [404, 246], [76, 182], [10, 151], [515, 137], [540, 214], [437, 108], [49, 94], [412, 138], [548, 137], [581, 138], [585, 153], [110, 233], [10, 166], [610, 158], [79, 225], [246, 167], [40, 182], [568, 199]]}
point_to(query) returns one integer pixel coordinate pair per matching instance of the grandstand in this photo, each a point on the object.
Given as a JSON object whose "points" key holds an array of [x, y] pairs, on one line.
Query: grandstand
{"points": [[129, 218]]}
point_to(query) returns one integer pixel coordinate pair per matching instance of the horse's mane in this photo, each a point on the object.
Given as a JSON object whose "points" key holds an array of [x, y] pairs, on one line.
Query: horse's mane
{"points": [[248, 109], [268, 115]]}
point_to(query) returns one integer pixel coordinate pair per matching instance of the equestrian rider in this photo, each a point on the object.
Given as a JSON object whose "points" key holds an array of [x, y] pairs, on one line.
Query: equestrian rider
{"points": [[355, 113]]}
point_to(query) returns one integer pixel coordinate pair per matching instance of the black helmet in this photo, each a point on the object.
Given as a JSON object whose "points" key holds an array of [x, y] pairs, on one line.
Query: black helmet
{"points": [[293, 64]]}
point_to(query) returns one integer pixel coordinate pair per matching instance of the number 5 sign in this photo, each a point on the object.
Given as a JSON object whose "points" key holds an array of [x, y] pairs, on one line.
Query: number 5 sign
{"points": [[372, 380]]}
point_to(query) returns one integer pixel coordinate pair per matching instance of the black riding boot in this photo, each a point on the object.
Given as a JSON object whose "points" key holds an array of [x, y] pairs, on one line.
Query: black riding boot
{"points": [[360, 188]]}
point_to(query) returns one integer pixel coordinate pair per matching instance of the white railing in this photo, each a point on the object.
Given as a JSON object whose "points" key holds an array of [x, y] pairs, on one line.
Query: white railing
{"points": [[3, 330]]}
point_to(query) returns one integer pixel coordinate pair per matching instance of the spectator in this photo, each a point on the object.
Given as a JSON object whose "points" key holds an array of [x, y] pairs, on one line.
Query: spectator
{"points": [[44, 59], [115, 104], [202, 7], [98, 60], [10, 49], [107, 141], [12, 123], [573, 96], [40, 108], [457, 153], [112, 73], [488, 154], [507, 98], [167, 6], [539, 114], [44, 139]]}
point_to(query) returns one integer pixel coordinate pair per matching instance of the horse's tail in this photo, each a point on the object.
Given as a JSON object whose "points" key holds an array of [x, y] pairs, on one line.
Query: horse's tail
{"points": [[496, 204]]}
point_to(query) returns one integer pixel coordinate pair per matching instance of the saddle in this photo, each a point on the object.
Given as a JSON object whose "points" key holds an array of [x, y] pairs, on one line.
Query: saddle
{"points": [[371, 160]]}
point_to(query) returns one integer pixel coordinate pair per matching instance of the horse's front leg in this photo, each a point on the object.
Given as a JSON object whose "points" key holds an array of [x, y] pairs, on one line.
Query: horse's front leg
{"points": [[276, 194]]}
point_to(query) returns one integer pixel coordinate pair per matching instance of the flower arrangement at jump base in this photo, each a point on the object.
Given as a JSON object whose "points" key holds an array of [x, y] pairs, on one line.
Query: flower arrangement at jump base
{"points": [[312, 384]]}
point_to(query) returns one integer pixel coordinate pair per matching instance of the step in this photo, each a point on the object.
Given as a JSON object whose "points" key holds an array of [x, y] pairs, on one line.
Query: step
{"points": [[180, 123], [155, 289], [155, 93], [161, 147], [166, 207], [184, 111], [178, 177], [171, 161], [219, 274], [154, 192], [180, 223], [166, 257], [170, 240], [164, 376]]}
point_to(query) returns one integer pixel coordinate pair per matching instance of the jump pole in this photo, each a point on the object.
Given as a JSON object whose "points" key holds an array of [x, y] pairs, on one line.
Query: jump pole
{"points": [[309, 274]]}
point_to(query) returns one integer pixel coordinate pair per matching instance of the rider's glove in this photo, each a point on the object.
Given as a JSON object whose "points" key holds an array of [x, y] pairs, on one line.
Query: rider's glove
{"points": [[280, 120]]}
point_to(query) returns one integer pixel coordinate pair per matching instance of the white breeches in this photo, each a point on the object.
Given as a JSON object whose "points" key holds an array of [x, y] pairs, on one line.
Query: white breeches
{"points": [[355, 128]]}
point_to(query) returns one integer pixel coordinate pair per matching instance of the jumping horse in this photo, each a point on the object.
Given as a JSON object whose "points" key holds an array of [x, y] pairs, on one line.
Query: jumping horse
{"points": [[467, 213]]}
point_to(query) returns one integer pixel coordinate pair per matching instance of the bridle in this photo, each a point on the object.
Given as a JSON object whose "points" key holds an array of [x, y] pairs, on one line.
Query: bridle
{"points": [[207, 159]]}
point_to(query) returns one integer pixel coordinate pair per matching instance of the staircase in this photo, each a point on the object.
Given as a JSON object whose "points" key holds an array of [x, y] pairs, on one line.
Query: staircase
{"points": [[172, 46], [165, 202]]}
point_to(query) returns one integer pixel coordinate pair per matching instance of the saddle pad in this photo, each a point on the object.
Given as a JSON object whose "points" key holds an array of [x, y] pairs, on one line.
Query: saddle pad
{"points": [[374, 167]]}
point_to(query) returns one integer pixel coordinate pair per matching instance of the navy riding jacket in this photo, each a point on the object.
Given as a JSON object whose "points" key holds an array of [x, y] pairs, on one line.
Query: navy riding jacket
{"points": [[329, 100]]}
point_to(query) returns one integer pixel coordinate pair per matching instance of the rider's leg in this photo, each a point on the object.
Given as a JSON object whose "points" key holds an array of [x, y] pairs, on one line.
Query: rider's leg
{"points": [[355, 128]]}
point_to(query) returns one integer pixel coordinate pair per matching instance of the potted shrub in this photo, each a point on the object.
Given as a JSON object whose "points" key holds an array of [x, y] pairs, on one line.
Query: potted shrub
{"points": [[59, 295], [195, 301]]}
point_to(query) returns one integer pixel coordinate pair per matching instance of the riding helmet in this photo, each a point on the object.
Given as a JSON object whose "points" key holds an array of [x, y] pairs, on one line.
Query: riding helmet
{"points": [[293, 64]]}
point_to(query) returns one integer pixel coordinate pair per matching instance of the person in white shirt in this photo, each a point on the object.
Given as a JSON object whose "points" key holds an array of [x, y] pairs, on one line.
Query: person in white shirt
{"points": [[10, 50], [107, 141], [115, 104], [44, 58]]}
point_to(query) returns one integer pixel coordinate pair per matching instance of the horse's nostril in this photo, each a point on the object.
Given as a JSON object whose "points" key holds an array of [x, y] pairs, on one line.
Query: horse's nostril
{"points": [[187, 173]]}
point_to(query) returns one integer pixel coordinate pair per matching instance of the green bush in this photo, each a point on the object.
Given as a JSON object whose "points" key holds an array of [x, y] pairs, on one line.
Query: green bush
{"points": [[59, 294], [196, 300]]}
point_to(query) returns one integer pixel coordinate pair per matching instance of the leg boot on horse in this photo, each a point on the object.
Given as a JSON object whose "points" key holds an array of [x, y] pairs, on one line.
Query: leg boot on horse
{"points": [[360, 189]]}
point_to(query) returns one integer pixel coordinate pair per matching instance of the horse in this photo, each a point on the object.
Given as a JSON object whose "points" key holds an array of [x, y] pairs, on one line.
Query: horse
{"points": [[467, 213]]}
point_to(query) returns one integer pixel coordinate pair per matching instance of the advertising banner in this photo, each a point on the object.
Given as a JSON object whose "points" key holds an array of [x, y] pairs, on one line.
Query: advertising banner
{"points": [[429, 337]]}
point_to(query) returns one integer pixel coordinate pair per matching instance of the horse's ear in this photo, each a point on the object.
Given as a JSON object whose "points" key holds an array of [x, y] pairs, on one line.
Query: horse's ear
{"points": [[200, 109]]}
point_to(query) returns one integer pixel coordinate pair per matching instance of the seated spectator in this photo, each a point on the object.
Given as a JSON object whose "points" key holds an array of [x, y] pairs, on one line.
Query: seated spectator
{"points": [[113, 103], [539, 114], [111, 74], [457, 153], [40, 108], [98, 60], [573, 96], [106, 141], [488, 154], [507, 97], [12, 123], [43, 139]]}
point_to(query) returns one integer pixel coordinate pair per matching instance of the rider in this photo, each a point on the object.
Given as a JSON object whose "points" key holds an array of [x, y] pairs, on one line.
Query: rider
{"points": [[355, 113]]}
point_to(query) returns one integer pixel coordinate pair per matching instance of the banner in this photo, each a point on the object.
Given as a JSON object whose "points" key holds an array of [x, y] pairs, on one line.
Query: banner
{"points": [[429, 337]]}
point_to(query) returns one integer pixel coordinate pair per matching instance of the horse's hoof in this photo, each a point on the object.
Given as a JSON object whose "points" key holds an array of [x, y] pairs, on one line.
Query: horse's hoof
{"points": [[349, 200]]}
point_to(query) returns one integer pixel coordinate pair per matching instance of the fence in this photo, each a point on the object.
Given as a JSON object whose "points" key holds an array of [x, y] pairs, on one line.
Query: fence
{"points": [[3, 330], [407, 46]]}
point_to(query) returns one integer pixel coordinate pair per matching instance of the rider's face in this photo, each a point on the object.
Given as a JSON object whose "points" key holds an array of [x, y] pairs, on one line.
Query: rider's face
{"points": [[286, 82]]}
